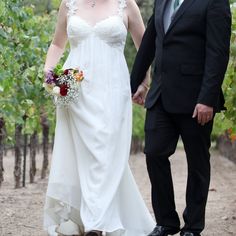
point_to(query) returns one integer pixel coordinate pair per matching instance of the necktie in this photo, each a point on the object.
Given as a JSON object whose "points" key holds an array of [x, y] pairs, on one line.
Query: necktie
{"points": [[176, 4]]}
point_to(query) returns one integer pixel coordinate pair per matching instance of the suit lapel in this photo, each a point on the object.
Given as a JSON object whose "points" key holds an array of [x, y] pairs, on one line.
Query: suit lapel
{"points": [[159, 15], [184, 6]]}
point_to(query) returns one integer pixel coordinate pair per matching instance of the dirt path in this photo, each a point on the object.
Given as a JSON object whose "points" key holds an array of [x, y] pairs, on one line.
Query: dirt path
{"points": [[21, 210]]}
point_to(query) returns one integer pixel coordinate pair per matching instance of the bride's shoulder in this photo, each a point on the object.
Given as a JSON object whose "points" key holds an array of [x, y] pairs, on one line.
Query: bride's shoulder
{"points": [[67, 7], [70, 6], [67, 4], [63, 9], [63, 5], [131, 6], [130, 2], [64, 2]]}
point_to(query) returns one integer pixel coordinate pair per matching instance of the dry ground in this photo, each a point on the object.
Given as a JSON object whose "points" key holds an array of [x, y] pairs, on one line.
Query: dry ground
{"points": [[21, 210]]}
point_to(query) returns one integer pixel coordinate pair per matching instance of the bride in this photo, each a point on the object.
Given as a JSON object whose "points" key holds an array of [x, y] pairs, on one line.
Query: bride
{"points": [[91, 190]]}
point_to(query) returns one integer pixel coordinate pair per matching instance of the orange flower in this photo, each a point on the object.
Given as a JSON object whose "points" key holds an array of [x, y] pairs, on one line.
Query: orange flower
{"points": [[230, 130], [233, 137], [79, 76]]}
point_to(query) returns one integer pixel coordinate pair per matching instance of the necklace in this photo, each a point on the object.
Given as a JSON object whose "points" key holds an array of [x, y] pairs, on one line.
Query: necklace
{"points": [[92, 3]]}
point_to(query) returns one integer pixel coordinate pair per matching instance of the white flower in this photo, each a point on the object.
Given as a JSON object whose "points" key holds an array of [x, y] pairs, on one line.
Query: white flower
{"points": [[56, 91]]}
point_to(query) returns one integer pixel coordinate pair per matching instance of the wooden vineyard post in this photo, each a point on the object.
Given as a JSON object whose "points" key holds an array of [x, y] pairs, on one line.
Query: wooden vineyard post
{"points": [[45, 128], [2, 124], [18, 155], [33, 146], [24, 152]]}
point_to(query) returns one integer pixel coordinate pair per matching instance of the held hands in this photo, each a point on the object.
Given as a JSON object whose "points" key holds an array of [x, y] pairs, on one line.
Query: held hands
{"points": [[203, 113], [140, 95]]}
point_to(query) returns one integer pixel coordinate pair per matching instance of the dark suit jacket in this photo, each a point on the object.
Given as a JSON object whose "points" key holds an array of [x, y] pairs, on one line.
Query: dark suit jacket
{"points": [[190, 58]]}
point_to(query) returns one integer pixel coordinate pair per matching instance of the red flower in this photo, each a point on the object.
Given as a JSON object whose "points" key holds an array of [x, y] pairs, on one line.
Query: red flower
{"points": [[66, 72], [63, 90], [55, 76]]}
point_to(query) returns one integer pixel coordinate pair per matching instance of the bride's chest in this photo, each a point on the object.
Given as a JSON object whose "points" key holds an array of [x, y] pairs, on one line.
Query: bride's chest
{"points": [[111, 29]]}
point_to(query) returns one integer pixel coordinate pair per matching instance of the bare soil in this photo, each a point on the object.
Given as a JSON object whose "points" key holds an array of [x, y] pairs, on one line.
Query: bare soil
{"points": [[21, 210]]}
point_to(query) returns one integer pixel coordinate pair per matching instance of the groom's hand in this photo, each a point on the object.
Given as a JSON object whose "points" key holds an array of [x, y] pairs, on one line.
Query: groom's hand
{"points": [[203, 113], [140, 95]]}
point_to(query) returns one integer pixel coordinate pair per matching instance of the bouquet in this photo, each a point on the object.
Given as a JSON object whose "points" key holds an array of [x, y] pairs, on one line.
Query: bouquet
{"points": [[63, 85]]}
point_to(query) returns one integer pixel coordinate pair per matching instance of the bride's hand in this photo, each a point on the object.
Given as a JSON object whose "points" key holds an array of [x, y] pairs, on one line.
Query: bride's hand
{"points": [[140, 95], [45, 72]]}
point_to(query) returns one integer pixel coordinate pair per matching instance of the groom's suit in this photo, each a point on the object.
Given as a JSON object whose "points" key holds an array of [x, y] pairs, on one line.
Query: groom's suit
{"points": [[190, 59]]}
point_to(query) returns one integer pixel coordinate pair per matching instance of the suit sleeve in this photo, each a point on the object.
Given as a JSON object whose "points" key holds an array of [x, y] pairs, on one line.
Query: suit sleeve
{"points": [[145, 55], [218, 32]]}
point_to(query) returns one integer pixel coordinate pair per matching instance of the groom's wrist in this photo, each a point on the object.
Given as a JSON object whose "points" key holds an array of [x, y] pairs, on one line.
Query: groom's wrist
{"points": [[146, 86]]}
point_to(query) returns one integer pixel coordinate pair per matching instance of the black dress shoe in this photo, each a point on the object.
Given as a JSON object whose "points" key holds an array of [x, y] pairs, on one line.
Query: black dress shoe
{"points": [[163, 231], [189, 234]]}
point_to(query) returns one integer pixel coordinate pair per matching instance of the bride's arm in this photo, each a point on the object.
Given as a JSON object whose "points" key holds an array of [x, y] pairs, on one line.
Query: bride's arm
{"points": [[135, 22], [59, 41], [136, 28]]}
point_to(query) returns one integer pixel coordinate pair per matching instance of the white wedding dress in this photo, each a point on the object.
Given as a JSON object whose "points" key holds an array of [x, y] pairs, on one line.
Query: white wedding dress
{"points": [[91, 186]]}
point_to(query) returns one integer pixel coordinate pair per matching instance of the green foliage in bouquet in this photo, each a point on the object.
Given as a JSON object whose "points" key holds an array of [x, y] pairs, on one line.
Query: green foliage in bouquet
{"points": [[58, 70]]}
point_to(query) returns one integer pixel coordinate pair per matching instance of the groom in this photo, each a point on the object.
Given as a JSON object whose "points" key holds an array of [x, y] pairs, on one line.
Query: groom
{"points": [[189, 43]]}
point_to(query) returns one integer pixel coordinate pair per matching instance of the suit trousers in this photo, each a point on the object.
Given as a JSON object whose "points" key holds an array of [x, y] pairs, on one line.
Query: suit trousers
{"points": [[162, 132]]}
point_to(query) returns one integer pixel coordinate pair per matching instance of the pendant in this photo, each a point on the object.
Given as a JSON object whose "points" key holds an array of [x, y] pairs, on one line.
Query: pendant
{"points": [[93, 3]]}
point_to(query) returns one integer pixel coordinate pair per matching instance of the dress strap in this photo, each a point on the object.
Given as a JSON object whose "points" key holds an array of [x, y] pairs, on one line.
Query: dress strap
{"points": [[72, 7], [122, 6]]}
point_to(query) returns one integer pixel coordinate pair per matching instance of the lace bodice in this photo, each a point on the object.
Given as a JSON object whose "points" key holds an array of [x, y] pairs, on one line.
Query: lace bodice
{"points": [[110, 30], [72, 7]]}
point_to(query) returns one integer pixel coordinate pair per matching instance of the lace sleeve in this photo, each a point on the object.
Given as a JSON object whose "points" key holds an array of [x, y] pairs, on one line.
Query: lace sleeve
{"points": [[122, 6], [72, 7]]}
